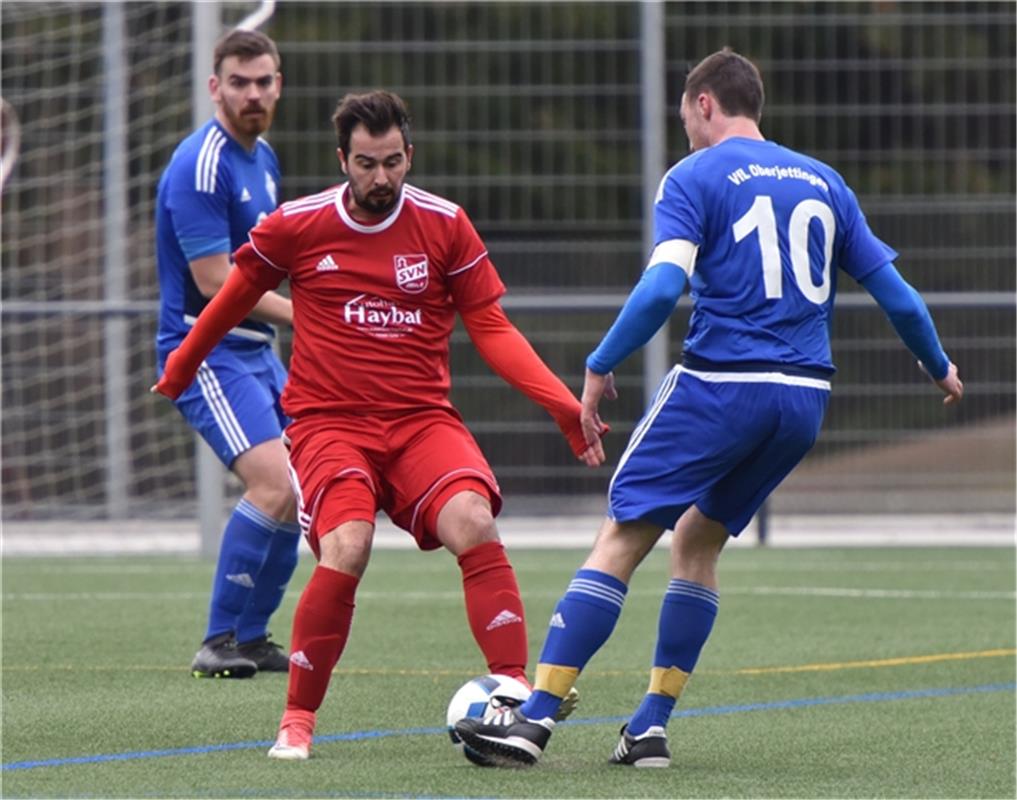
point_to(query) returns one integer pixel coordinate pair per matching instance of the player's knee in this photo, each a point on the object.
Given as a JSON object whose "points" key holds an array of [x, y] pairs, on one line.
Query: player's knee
{"points": [[476, 520], [347, 548], [465, 520], [273, 497]]}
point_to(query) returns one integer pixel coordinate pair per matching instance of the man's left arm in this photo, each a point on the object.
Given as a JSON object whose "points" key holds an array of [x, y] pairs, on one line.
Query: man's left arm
{"points": [[910, 317], [513, 358]]}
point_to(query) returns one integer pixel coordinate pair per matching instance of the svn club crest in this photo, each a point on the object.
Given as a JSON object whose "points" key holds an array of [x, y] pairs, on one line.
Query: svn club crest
{"points": [[411, 273]]}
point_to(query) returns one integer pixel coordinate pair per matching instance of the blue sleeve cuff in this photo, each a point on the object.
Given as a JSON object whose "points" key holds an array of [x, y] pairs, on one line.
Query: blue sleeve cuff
{"points": [[909, 316], [199, 248], [647, 308]]}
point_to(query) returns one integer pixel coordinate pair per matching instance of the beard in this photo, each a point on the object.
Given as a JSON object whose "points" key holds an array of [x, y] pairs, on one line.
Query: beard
{"points": [[377, 201], [251, 121]]}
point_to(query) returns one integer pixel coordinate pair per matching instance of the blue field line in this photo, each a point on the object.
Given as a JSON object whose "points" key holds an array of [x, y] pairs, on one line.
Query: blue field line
{"points": [[359, 736]]}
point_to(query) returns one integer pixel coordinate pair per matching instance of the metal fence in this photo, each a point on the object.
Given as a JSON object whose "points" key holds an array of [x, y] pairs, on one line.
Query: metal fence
{"points": [[531, 116]]}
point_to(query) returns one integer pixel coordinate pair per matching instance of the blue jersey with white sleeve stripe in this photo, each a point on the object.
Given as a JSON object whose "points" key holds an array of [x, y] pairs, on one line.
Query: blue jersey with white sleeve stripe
{"points": [[772, 228], [211, 194]]}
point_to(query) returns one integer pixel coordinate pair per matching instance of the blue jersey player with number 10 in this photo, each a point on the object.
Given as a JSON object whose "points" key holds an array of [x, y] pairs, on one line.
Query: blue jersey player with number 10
{"points": [[758, 233]]}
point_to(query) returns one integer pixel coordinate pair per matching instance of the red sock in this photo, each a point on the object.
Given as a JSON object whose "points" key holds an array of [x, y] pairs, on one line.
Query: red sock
{"points": [[321, 626], [495, 609]]}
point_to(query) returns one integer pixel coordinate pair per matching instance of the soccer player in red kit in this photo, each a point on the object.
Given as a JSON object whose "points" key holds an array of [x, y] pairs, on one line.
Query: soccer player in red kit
{"points": [[378, 270]]}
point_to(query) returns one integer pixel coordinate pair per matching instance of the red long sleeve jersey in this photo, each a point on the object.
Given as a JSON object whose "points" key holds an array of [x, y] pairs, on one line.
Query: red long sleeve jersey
{"points": [[373, 305]]}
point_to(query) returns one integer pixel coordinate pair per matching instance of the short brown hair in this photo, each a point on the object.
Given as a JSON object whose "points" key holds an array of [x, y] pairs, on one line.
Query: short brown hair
{"points": [[378, 111], [732, 79], [245, 45]]}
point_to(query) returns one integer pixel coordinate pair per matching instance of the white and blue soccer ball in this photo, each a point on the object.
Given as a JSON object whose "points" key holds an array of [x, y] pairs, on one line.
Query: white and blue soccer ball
{"points": [[477, 698]]}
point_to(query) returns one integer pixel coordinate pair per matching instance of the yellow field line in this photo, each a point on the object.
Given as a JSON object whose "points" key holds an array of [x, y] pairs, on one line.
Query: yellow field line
{"points": [[903, 661], [875, 663]]}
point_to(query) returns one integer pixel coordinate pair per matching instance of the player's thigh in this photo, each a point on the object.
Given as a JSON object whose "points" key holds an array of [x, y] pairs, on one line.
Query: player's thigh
{"points": [[435, 450], [230, 407], [735, 499], [691, 437], [334, 471]]}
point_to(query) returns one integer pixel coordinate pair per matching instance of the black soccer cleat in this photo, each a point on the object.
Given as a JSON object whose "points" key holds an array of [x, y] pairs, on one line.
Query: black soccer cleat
{"points": [[507, 739], [646, 750], [218, 658], [266, 654]]}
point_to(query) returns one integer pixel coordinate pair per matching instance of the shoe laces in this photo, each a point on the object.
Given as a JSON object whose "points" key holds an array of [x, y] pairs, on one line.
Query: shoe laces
{"points": [[501, 715]]}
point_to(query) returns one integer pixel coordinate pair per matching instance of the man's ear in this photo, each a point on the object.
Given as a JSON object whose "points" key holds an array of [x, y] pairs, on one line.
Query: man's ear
{"points": [[342, 160], [213, 87], [706, 105], [409, 157]]}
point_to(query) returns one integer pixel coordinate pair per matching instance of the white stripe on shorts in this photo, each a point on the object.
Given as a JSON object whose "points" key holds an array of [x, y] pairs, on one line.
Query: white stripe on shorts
{"points": [[757, 377], [663, 393], [221, 410]]}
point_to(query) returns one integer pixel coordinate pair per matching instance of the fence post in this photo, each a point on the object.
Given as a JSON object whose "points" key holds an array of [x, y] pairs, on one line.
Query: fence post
{"points": [[653, 116], [206, 22], [763, 522], [114, 190]]}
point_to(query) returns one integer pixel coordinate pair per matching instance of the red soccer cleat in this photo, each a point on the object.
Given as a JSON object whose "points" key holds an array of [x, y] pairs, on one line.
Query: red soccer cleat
{"points": [[296, 732]]}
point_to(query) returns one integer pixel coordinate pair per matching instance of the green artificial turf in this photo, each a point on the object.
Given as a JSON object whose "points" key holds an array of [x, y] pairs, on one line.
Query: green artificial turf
{"points": [[831, 673]]}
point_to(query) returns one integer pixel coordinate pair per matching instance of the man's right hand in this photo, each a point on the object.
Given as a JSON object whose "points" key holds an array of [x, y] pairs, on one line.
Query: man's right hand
{"points": [[950, 385], [170, 384], [594, 388]]}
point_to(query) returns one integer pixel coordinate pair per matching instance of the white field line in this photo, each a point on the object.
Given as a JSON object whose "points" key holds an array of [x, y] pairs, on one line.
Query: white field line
{"points": [[56, 538], [401, 597], [439, 564]]}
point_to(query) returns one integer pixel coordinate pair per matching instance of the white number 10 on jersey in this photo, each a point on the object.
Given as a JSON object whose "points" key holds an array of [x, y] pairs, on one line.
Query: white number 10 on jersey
{"points": [[761, 217]]}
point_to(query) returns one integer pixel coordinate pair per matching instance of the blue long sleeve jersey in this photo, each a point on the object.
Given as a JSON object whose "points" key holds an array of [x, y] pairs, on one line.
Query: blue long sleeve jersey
{"points": [[654, 298]]}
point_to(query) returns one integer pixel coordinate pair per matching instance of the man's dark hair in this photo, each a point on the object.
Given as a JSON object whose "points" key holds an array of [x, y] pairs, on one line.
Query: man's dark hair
{"points": [[245, 45], [378, 111], [732, 79]]}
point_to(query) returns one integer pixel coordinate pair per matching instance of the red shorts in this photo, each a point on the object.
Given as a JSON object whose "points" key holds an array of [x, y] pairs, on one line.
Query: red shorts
{"points": [[404, 464]]}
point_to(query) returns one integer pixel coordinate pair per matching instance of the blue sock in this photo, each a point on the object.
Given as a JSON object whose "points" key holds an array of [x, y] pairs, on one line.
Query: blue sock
{"points": [[686, 619], [270, 583], [245, 542], [581, 623]]}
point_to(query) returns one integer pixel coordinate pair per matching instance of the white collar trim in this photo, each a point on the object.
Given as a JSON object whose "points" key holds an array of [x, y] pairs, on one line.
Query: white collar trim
{"points": [[359, 226]]}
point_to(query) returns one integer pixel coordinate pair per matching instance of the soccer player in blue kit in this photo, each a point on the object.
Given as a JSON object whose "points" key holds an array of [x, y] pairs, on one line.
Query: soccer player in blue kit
{"points": [[222, 180], [757, 231]]}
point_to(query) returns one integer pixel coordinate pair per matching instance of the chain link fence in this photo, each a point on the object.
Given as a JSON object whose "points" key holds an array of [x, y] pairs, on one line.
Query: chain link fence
{"points": [[528, 115]]}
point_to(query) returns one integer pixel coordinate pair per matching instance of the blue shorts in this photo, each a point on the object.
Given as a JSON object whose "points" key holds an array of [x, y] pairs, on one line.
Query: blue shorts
{"points": [[234, 400], [720, 441]]}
